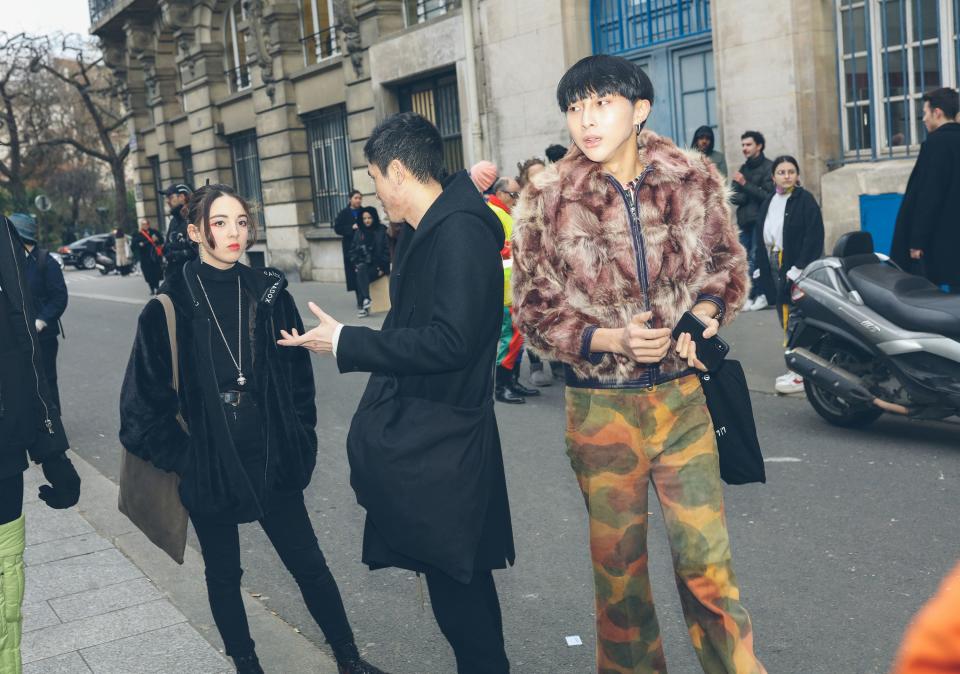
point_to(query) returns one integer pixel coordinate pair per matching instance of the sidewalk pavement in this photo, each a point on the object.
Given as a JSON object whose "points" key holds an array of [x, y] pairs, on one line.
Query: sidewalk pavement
{"points": [[101, 599]]}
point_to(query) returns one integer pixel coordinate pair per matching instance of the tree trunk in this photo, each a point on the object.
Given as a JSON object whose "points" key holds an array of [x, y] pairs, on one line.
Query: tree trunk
{"points": [[120, 194]]}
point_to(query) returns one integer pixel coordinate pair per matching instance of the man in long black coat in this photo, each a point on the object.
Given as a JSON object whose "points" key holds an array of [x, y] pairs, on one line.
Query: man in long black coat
{"points": [[927, 234], [348, 222], [424, 447]]}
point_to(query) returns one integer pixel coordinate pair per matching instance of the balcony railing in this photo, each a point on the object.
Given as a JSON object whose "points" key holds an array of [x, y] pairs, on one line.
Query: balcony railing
{"points": [[99, 9], [238, 78], [419, 11], [320, 45]]}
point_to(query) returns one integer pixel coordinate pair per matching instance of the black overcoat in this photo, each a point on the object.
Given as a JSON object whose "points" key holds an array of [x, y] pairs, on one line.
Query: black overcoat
{"points": [[802, 240], [343, 226], [928, 219], [213, 481], [29, 421], [439, 342]]}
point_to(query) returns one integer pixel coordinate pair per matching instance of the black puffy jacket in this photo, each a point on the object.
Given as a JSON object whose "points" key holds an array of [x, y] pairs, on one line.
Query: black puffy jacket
{"points": [[749, 197]]}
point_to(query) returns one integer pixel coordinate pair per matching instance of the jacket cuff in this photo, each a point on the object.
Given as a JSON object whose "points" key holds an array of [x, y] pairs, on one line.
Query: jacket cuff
{"points": [[586, 339], [715, 300]]}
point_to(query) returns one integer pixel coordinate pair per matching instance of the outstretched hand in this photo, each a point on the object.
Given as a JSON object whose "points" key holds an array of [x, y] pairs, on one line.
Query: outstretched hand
{"points": [[318, 339]]}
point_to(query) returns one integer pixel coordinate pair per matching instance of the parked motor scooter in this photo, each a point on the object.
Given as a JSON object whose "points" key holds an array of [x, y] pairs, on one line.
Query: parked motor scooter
{"points": [[106, 264], [870, 338]]}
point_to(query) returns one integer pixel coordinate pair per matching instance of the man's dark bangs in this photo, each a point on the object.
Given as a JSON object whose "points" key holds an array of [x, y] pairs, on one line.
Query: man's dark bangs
{"points": [[603, 75]]}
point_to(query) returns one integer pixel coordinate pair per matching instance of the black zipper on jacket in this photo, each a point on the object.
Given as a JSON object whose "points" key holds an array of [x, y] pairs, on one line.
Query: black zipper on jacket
{"points": [[33, 346]]}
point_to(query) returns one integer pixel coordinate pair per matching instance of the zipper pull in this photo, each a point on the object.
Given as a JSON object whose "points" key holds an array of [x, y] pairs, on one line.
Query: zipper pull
{"points": [[49, 425]]}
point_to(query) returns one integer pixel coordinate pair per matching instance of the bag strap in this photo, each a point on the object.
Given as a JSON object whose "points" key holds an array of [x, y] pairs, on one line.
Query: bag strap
{"points": [[171, 315]]}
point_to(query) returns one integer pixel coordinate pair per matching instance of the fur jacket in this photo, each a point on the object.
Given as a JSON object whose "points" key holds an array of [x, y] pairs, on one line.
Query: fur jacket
{"points": [[578, 264]]}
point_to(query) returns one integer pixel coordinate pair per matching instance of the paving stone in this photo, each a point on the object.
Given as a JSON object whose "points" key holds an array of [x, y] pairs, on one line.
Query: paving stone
{"points": [[105, 600], [70, 663], [52, 551], [79, 574], [45, 524], [38, 615], [96, 630], [172, 649]]}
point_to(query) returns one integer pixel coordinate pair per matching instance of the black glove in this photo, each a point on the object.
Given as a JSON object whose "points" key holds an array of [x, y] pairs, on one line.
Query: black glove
{"points": [[64, 488]]}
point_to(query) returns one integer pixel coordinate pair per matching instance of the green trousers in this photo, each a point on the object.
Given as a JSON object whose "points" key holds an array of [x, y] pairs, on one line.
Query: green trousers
{"points": [[12, 543]]}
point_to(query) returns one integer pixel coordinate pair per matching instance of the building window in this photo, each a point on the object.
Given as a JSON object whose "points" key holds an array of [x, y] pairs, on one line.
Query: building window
{"points": [[890, 54], [246, 168], [330, 171], [319, 30], [186, 161], [622, 26], [419, 11], [158, 193], [437, 99], [695, 91], [237, 70]]}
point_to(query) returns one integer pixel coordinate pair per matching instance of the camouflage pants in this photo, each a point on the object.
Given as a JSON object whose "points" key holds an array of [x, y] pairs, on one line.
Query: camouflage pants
{"points": [[618, 441]]}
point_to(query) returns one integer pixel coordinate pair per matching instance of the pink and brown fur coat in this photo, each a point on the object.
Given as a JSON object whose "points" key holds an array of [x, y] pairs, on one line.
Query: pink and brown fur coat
{"points": [[574, 261]]}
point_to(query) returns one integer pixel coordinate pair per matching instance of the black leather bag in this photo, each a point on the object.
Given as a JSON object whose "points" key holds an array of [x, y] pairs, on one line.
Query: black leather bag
{"points": [[728, 399]]}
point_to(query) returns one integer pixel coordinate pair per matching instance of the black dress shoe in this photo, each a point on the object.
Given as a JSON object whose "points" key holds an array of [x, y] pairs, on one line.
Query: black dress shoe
{"points": [[247, 664], [506, 395], [350, 662], [522, 390]]}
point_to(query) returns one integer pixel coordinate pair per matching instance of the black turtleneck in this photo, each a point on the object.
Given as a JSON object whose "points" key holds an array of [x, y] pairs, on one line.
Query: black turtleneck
{"points": [[221, 288]]}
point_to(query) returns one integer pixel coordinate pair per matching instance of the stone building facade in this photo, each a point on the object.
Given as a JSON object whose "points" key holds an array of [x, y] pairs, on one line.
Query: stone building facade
{"points": [[279, 96]]}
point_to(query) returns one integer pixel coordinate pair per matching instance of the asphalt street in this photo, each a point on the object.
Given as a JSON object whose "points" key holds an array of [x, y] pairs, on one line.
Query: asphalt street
{"points": [[851, 534]]}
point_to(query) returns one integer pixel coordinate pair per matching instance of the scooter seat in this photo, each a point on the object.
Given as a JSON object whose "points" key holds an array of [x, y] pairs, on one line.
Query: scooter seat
{"points": [[912, 302]]}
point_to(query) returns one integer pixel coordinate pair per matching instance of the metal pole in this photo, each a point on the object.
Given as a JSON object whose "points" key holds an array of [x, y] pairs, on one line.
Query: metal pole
{"points": [[475, 148]]}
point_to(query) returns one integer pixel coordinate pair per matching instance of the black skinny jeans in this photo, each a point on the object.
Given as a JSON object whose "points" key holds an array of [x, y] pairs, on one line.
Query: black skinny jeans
{"points": [[11, 498], [469, 617]]}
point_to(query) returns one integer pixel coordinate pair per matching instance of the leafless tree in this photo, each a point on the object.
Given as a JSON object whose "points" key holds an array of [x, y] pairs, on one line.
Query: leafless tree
{"points": [[90, 118]]}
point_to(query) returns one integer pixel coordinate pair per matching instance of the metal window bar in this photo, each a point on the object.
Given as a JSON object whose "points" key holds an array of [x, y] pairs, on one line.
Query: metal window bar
{"points": [[246, 168], [419, 11], [437, 99], [320, 46], [239, 78], [329, 163], [622, 26], [186, 161]]}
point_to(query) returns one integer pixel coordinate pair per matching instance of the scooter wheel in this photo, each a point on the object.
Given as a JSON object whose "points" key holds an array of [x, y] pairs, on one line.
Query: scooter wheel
{"points": [[833, 409]]}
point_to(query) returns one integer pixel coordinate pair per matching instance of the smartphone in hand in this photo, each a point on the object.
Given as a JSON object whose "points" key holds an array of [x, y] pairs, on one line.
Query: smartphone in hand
{"points": [[710, 352]]}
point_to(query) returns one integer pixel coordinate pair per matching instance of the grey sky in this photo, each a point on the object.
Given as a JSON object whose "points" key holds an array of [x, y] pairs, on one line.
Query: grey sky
{"points": [[46, 16]]}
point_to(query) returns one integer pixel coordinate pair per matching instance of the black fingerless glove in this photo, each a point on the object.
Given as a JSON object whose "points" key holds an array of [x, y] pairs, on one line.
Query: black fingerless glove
{"points": [[64, 488]]}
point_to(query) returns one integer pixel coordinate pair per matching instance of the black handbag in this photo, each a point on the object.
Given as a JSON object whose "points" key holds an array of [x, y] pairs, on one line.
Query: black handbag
{"points": [[728, 400]]}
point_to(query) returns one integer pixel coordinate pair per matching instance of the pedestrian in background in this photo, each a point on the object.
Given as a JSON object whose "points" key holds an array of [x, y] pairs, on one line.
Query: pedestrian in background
{"points": [[148, 249], [49, 292], [370, 256], [484, 174], [178, 250], [792, 237], [507, 388], [752, 184], [555, 153], [346, 224], [30, 428], [121, 251], [424, 448], [703, 141], [926, 239], [636, 411], [252, 443], [528, 169]]}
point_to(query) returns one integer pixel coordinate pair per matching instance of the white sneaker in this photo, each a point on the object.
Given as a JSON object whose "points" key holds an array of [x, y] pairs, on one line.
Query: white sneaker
{"points": [[751, 305], [786, 377], [760, 303], [788, 386]]}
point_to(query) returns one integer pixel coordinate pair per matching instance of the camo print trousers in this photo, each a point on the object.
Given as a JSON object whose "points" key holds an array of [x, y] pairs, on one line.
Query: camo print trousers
{"points": [[618, 441]]}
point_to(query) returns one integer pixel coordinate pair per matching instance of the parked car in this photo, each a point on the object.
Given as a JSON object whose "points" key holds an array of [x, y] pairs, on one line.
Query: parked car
{"points": [[82, 254]]}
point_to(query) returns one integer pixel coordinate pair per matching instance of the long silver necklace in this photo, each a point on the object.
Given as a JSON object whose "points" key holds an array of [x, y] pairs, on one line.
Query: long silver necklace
{"points": [[238, 361]]}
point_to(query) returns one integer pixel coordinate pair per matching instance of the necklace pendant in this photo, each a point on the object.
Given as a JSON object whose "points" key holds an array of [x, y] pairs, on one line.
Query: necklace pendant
{"points": [[241, 380]]}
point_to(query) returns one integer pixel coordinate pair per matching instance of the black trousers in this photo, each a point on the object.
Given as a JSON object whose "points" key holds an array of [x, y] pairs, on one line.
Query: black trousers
{"points": [[11, 498], [366, 274], [469, 617], [48, 354], [291, 533]]}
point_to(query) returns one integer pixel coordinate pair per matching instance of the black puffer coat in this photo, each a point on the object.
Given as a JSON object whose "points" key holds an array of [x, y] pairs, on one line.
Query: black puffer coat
{"points": [[29, 421], [214, 482], [748, 197], [802, 240]]}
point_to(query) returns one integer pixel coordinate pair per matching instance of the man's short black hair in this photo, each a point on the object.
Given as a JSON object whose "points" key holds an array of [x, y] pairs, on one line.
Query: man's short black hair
{"points": [[411, 139], [946, 99], [603, 75], [555, 153], [757, 138]]}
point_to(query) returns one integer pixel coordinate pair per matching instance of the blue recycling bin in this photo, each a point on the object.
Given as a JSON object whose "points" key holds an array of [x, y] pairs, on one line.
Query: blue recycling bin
{"points": [[878, 215]]}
